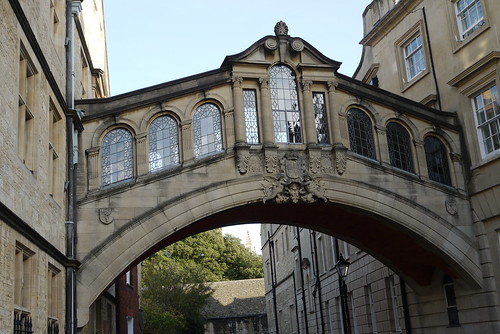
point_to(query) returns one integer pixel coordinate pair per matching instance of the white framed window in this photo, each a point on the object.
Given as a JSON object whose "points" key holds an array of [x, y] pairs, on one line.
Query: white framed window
{"points": [[128, 278], [486, 105], [414, 57], [130, 325], [469, 16]]}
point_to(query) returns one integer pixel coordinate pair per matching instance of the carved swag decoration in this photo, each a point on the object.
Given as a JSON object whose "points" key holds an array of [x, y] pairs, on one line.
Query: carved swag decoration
{"points": [[293, 184]]}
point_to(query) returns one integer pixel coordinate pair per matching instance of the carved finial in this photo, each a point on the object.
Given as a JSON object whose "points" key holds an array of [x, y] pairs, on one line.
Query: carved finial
{"points": [[281, 28]]}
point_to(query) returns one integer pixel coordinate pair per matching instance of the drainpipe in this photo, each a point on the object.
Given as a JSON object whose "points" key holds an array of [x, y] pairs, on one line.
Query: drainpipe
{"points": [[304, 306], [72, 10], [434, 76]]}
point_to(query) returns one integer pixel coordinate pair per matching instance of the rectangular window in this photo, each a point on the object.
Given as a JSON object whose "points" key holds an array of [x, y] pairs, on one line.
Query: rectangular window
{"points": [[469, 16], [370, 301], [393, 303], [25, 125], [128, 278], [251, 120], [130, 325], [451, 302], [54, 151], [414, 57], [54, 303], [320, 118], [487, 112], [23, 276]]}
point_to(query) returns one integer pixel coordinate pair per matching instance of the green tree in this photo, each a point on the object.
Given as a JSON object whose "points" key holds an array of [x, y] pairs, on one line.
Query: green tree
{"points": [[174, 279]]}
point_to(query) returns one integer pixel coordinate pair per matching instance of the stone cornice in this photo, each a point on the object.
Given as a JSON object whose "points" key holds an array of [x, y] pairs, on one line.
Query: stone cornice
{"points": [[399, 103], [475, 68], [20, 226], [389, 21], [98, 108]]}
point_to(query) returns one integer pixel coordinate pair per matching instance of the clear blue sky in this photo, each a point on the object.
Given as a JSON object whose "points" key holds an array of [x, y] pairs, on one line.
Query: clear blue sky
{"points": [[152, 41]]}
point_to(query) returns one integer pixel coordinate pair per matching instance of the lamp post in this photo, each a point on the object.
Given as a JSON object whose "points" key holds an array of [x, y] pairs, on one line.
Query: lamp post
{"points": [[342, 267]]}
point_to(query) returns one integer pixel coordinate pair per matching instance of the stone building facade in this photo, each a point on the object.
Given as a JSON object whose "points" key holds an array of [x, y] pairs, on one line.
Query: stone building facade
{"points": [[443, 54], [41, 44]]}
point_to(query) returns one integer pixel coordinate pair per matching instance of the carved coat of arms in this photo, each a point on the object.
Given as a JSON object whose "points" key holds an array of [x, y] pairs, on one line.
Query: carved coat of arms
{"points": [[293, 183]]}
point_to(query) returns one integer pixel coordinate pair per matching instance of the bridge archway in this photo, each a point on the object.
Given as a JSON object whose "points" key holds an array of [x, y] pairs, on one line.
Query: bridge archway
{"points": [[410, 239]]}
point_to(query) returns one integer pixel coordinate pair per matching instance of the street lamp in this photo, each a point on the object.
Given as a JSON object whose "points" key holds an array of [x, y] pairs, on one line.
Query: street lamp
{"points": [[342, 267]]}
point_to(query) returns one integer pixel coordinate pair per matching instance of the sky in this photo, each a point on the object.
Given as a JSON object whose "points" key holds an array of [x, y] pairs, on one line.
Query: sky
{"points": [[155, 41]]}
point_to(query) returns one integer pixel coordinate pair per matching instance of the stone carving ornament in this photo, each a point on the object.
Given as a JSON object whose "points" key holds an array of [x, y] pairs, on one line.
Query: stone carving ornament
{"points": [[293, 184], [106, 215]]}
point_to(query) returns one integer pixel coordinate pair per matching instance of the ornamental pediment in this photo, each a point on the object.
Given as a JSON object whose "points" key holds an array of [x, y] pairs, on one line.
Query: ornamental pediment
{"points": [[281, 47]]}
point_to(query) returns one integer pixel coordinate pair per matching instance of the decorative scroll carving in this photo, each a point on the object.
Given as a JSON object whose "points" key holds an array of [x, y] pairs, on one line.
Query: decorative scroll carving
{"points": [[332, 85], [106, 216], [264, 83], [237, 82], [315, 164], [297, 45], [340, 158], [271, 44], [293, 184], [306, 85]]}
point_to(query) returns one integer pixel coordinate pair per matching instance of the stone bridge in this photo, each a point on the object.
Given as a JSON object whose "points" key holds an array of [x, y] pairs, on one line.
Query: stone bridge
{"points": [[275, 134]]}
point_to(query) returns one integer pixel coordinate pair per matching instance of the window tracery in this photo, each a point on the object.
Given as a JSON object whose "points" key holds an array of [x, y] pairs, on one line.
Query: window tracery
{"points": [[117, 161]]}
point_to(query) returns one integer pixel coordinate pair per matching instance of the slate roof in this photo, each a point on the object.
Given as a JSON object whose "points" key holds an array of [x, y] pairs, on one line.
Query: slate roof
{"points": [[236, 299]]}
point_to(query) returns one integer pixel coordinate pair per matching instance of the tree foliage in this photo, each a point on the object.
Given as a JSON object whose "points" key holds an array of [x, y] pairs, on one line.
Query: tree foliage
{"points": [[174, 279]]}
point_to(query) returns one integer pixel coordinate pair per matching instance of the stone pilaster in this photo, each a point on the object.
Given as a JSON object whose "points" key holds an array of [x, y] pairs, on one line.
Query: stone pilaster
{"points": [[142, 154], [309, 123], [93, 168]]}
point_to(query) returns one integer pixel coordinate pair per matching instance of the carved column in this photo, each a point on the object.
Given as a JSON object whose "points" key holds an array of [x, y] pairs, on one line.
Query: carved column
{"points": [[420, 164], [267, 112], [381, 145], [187, 141], [142, 154], [239, 112], [334, 119], [309, 122], [456, 170], [93, 168]]}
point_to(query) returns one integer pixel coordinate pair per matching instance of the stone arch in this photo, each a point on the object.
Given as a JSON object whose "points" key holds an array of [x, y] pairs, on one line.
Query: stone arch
{"points": [[363, 105], [384, 216], [110, 124], [156, 111]]}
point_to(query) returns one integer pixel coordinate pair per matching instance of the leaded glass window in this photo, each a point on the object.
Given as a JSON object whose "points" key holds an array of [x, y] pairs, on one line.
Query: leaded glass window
{"points": [[285, 105], [360, 133], [399, 143], [117, 162], [437, 162], [207, 130], [487, 109], [320, 118], [163, 143], [251, 120]]}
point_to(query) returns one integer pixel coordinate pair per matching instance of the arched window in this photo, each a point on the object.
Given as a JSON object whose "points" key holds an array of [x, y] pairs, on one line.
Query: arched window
{"points": [[399, 143], [285, 105], [207, 130], [360, 133], [163, 143], [117, 163], [437, 162]]}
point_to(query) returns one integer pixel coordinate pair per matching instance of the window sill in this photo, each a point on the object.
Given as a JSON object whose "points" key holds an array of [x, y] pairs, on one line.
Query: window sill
{"points": [[459, 44]]}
